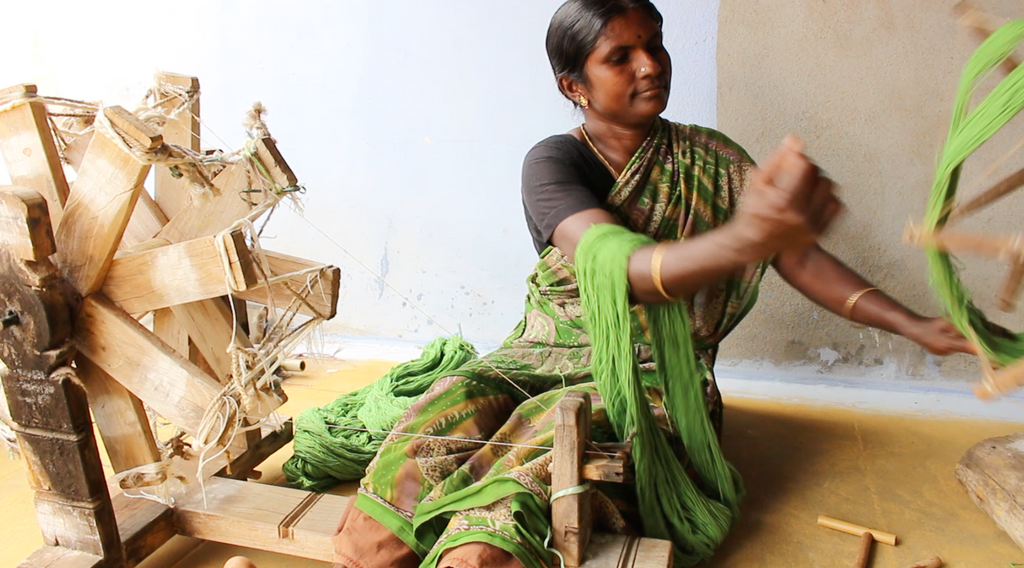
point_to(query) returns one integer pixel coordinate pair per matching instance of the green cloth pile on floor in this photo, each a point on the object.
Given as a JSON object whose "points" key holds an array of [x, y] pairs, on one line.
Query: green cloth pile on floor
{"points": [[336, 442]]}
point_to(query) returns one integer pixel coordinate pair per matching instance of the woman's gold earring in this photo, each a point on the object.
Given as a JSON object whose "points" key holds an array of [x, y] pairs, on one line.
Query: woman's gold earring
{"points": [[584, 102]]}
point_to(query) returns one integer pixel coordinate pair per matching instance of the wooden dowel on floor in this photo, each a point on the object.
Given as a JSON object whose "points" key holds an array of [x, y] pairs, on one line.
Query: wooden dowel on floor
{"points": [[856, 530], [933, 562], [864, 552]]}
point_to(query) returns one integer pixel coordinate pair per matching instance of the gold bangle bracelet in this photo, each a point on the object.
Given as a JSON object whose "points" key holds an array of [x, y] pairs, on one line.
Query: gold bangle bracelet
{"points": [[656, 256], [852, 301]]}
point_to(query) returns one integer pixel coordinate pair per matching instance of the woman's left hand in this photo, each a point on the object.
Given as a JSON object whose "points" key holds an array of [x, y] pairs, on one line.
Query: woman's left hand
{"points": [[938, 336]]}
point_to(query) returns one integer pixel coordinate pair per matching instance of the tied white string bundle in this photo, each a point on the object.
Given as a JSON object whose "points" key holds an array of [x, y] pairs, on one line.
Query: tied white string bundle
{"points": [[253, 369], [189, 163]]}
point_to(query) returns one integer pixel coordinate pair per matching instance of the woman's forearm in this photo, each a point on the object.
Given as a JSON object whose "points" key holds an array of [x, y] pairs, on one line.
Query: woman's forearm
{"points": [[687, 265], [690, 264], [826, 281]]}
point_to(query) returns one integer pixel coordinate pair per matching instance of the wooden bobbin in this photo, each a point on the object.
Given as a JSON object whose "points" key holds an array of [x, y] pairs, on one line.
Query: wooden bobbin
{"points": [[293, 365], [868, 537]]}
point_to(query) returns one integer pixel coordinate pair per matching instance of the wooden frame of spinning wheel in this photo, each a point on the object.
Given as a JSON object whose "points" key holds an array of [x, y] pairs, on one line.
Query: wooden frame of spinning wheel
{"points": [[116, 253]]}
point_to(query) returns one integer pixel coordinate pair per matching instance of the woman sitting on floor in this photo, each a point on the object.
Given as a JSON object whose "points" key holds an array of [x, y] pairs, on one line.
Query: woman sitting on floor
{"points": [[719, 221]]}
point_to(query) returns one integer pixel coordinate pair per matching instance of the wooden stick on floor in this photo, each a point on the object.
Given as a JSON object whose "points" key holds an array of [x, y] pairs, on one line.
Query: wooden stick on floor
{"points": [[856, 530], [867, 537], [864, 552], [933, 562]]}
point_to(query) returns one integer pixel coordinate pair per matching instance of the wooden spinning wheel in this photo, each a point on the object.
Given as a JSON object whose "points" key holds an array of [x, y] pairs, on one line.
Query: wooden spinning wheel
{"points": [[80, 264], [77, 262]]}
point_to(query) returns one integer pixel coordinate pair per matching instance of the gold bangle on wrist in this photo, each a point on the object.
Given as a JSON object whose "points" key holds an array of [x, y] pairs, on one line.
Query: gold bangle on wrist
{"points": [[656, 257], [852, 301]]}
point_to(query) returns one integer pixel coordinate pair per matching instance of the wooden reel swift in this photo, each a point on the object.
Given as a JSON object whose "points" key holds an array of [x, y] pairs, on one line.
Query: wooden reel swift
{"points": [[996, 381]]}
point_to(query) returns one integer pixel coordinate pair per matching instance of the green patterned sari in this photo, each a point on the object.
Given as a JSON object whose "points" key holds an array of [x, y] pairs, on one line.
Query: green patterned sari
{"points": [[492, 484]]}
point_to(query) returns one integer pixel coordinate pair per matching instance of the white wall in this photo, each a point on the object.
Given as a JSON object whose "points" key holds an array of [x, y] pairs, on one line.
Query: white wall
{"points": [[407, 121]]}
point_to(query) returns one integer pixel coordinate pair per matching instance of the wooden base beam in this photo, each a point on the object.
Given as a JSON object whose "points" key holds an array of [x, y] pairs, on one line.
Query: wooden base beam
{"points": [[60, 557], [250, 514]]}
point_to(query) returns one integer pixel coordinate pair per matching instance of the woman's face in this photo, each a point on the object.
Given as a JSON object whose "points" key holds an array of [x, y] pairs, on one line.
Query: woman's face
{"points": [[629, 72]]}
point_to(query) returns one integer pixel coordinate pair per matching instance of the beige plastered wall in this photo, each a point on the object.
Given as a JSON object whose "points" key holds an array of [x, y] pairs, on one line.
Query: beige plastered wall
{"points": [[869, 85]]}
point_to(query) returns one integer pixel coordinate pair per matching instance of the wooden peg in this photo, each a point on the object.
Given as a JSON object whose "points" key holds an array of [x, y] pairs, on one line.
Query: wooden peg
{"points": [[293, 365]]}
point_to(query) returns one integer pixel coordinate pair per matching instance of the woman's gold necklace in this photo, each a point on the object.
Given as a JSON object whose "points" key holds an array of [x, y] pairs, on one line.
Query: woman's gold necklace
{"points": [[600, 156]]}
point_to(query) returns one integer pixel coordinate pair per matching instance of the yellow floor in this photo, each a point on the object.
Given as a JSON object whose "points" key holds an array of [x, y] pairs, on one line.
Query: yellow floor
{"points": [[894, 473]]}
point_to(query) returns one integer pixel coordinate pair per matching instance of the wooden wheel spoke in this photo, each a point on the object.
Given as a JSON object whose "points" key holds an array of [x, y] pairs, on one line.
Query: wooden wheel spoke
{"points": [[981, 26], [1006, 186], [1008, 248], [172, 194], [1005, 248], [101, 202], [30, 152]]}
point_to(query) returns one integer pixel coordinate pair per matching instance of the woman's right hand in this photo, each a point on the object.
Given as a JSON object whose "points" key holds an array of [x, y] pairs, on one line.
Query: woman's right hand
{"points": [[788, 203]]}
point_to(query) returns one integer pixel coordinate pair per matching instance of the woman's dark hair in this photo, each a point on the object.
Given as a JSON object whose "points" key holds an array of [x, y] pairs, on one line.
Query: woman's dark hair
{"points": [[578, 24]]}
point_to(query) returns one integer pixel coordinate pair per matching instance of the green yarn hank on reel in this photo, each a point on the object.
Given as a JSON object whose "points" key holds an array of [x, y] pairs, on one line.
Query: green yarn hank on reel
{"points": [[970, 128]]}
